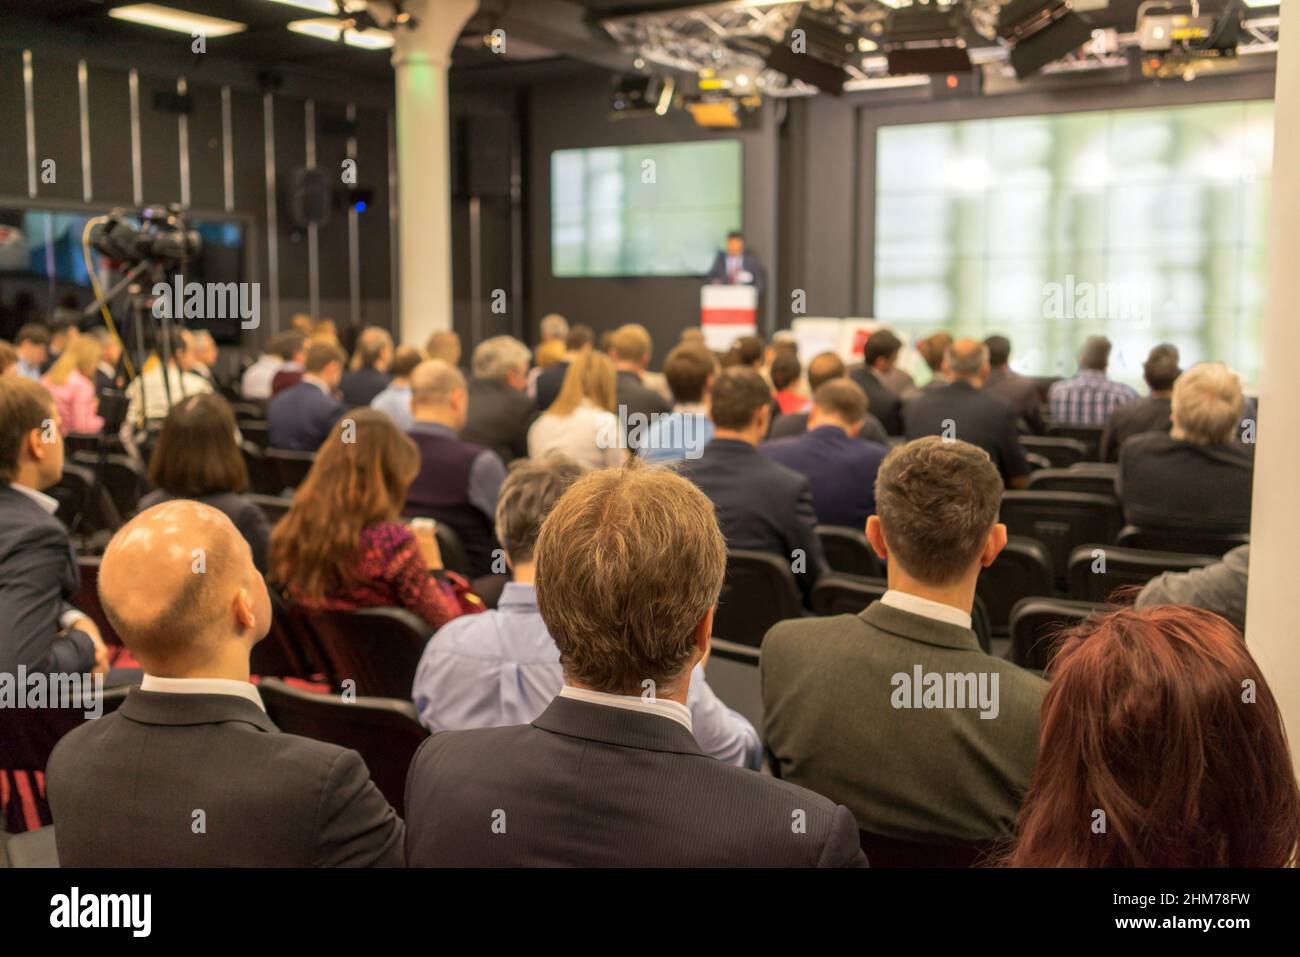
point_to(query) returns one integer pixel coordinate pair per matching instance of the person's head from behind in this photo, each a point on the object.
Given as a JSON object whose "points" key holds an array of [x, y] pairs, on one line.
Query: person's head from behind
{"points": [[690, 369], [750, 351], [1095, 354], [590, 378], [179, 586], [8, 359], [553, 326], [444, 346], [932, 349], [824, 367], [81, 355], [405, 359], [881, 350], [1207, 404], [629, 566], [324, 330], [785, 372], [999, 351], [502, 359], [439, 394], [741, 404], [967, 360], [62, 333], [325, 361], [549, 353], [1160, 720], [735, 243], [360, 478], [31, 445], [183, 354], [579, 339], [33, 344], [1161, 368], [205, 348], [110, 346], [197, 453], [374, 349], [290, 346], [631, 346], [841, 403], [530, 490], [936, 518]]}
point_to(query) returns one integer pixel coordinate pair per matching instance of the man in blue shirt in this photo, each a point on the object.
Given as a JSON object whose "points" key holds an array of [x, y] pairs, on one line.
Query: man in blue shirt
{"points": [[1090, 397], [33, 347], [683, 433], [395, 399], [502, 668]]}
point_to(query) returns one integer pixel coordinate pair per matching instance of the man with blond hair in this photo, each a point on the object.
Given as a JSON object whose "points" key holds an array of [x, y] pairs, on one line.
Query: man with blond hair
{"points": [[500, 410], [630, 348], [610, 773], [1199, 475]]}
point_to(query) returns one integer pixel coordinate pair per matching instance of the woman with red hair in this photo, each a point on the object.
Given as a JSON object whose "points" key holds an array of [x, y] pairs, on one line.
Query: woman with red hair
{"points": [[1161, 746]]}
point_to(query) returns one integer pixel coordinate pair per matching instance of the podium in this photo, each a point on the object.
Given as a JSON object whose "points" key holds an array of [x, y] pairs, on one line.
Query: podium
{"points": [[726, 314]]}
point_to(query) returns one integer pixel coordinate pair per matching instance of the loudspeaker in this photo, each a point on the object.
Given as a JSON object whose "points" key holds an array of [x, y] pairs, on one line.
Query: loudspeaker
{"points": [[310, 197]]}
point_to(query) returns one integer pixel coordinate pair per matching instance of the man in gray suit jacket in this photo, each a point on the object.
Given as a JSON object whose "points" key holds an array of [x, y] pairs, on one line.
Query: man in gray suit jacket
{"points": [[897, 712], [629, 567], [190, 771]]}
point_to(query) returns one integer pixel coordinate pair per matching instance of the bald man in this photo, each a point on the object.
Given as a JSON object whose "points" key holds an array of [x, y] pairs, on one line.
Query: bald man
{"points": [[963, 410], [190, 771]]}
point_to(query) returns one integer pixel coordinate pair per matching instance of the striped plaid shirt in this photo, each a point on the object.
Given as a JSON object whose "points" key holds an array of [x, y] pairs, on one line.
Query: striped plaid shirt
{"points": [[1087, 399]]}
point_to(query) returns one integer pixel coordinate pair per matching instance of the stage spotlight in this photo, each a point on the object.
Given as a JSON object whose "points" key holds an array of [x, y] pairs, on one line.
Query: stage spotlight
{"points": [[816, 50], [1041, 32], [927, 39]]}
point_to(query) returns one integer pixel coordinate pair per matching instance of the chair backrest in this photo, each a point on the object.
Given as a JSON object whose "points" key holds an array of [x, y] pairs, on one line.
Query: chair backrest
{"points": [[255, 431], [1186, 540], [263, 475], [29, 849], [287, 650], [377, 649], [126, 481], [759, 591], [84, 506], [838, 594], [1037, 463], [1098, 480], [87, 597], [385, 731], [1062, 521], [733, 675], [1097, 570], [1022, 568], [292, 466], [1060, 451], [848, 551], [275, 507], [453, 552], [30, 734], [248, 409], [892, 852], [1036, 624], [1089, 435]]}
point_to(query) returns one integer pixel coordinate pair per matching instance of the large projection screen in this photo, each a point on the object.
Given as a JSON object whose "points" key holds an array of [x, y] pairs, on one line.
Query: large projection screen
{"points": [[1147, 226], [657, 209]]}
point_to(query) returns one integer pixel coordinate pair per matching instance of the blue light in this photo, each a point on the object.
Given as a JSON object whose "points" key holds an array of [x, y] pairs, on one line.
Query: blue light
{"points": [[360, 206]]}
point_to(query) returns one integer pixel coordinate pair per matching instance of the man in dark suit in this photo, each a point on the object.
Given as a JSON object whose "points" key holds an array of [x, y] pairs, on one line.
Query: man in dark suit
{"points": [[500, 411], [374, 357], [300, 418], [878, 356], [610, 773], [190, 771], [1151, 414], [108, 373], [760, 503], [824, 367], [897, 711], [1021, 392], [550, 379], [842, 469], [39, 629], [962, 410], [630, 348], [736, 267]]}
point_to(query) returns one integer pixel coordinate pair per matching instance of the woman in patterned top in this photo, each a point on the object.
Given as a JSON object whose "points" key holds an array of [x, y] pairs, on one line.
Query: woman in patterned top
{"points": [[340, 547]]}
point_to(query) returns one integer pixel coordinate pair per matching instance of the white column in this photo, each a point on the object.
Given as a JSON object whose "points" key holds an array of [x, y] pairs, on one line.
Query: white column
{"points": [[420, 61], [1275, 509]]}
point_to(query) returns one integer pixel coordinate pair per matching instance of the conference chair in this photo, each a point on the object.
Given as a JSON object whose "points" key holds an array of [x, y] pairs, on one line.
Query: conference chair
{"points": [[375, 649], [453, 552], [87, 598], [1022, 568], [286, 651], [889, 852], [1036, 462], [1094, 478], [122, 476], [29, 849], [85, 506], [291, 466], [759, 591], [275, 507], [263, 475], [733, 675], [1062, 521], [1097, 570], [248, 410], [1187, 540], [1060, 451], [1036, 626], [1089, 435], [255, 431], [847, 550], [386, 732], [839, 594]]}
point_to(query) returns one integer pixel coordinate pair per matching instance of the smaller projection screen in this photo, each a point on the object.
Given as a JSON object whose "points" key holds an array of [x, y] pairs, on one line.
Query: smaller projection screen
{"points": [[657, 209]]}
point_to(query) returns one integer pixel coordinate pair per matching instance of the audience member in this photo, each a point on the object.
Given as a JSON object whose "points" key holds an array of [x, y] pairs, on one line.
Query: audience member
{"points": [[1090, 397], [840, 469], [71, 380], [255, 384], [761, 504], [190, 771], [824, 367], [551, 379], [458, 482], [444, 345], [690, 369], [300, 417], [1198, 475], [500, 411], [369, 374], [1151, 414], [962, 410], [884, 359], [1021, 392], [502, 667], [149, 399], [63, 332], [879, 353], [108, 372], [932, 349], [785, 373], [33, 346], [341, 546], [205, 356], [290, 373], [610, 772], [8, 359], [395, 399], [198, 457], [1152, 755], [581, 423], [858, 708], [630, 350], [1220, 588]]}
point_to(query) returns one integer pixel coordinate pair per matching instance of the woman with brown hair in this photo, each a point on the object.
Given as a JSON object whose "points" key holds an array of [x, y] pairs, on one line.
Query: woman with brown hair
{"points": [[581, 422], [198, 457], [1160, 746], [341, 545]]}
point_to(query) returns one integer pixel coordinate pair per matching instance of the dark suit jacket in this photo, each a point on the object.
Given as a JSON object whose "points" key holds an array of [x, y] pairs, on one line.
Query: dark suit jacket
{"points": [[881, 400], [246, 516], [1149, 414], [300, 417], [38, 575], [842, 471], [124, 789], [361, 385], [976, 416], [909, 773], [548, 384], [498, 419], [796, 423], [588, 785], [748, 263], [1022, 394], [761, 504], [1167, 483], [638, 398]]}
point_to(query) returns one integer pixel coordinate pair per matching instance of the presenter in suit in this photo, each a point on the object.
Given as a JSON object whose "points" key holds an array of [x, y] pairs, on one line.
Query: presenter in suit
{"points": [[736, 267]]}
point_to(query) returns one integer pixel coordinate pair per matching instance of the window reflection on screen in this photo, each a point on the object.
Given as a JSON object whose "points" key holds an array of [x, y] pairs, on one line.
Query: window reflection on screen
{"points": [[1147, 226]]}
